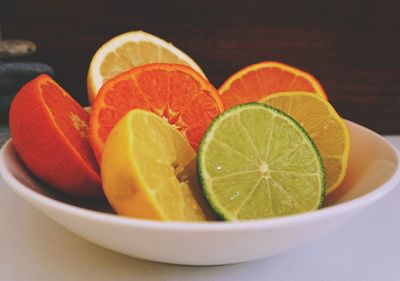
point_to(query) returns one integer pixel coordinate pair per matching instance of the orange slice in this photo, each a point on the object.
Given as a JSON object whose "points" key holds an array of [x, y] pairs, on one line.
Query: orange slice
{"points": [[50, 131], [174, 91], [325, 127], [260, 80]]}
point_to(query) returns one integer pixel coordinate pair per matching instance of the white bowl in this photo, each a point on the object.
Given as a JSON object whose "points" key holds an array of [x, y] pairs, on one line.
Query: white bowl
{"points": [[373, 172]]}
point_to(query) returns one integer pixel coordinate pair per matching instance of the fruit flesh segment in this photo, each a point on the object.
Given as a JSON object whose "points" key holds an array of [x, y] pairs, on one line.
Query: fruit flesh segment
{"points": [[269, 168], [158, 170], [71, 119], [172, 175]]}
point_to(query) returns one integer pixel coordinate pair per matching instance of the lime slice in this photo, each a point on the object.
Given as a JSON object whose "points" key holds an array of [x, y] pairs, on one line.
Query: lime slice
{"points": [[257, 162]]}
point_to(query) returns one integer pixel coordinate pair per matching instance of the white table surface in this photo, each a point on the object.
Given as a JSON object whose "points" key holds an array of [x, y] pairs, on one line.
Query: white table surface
{"points": [[33, 247]]}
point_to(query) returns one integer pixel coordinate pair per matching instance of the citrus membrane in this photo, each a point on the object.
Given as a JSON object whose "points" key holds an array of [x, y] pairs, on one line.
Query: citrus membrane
{"points": [[255, 161]]}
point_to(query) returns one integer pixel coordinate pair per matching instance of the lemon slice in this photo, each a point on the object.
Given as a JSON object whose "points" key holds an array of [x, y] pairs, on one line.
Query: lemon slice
{"points": [[257, 162], [149, 171], [129, 50], [326, 128]]}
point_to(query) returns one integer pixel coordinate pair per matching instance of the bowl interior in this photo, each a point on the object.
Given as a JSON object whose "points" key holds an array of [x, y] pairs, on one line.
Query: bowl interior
{"points": [[373, 161]]}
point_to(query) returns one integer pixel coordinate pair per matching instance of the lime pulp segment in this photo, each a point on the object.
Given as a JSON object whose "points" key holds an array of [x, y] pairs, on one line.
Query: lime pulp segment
{"points": [[257, 162]]}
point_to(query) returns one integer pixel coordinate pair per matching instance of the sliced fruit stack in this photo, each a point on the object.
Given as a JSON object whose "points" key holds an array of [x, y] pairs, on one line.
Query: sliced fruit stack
{"points": [[166, 148], [129, 50], [185, 103]]}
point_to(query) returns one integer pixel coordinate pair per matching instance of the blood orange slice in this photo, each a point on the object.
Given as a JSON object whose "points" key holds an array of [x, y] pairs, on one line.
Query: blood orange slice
{"points": [[260, 80], [50, 131], [173, 91]]}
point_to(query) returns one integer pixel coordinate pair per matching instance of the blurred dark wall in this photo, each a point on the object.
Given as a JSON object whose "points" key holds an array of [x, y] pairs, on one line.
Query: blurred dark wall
{"points": [[352, 47]]}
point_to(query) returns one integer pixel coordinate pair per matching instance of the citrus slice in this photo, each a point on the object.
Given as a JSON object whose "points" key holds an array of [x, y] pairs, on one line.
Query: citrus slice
{"points": [[325, 127], [129, 50], [257, 162], [174, 91], [50, 131], [149, 170], [260, 80]]}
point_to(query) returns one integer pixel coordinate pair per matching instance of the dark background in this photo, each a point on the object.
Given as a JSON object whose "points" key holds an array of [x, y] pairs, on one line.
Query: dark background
{"points": [[352, 47]]}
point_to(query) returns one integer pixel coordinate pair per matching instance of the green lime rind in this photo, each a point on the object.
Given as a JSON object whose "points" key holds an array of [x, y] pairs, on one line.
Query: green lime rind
{"points": [[205, 179]]}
